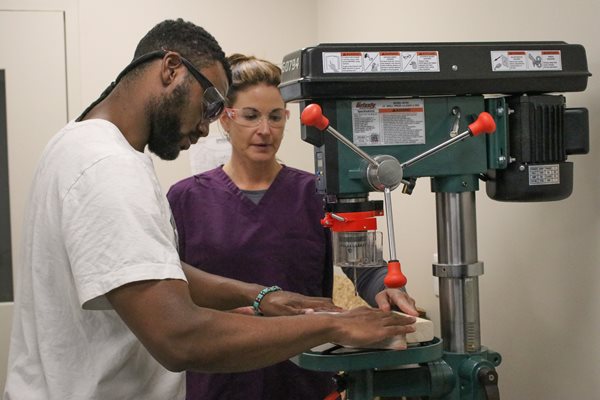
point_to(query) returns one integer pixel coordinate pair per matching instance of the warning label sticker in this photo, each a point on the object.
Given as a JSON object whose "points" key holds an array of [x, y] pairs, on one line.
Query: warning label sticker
{"points": [[388, 122], [380, 61], [526, 60]]}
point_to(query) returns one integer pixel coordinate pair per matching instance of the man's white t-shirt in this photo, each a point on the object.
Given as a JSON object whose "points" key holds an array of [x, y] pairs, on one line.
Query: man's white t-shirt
{"points": [[97, 220]]}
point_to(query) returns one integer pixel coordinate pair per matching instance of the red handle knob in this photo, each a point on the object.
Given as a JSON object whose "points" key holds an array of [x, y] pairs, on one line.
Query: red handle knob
{"points": [[394, 278], [483, 124], [312, 115]]}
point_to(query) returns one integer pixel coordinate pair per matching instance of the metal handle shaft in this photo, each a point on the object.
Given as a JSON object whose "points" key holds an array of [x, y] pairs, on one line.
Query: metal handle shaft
{"points": [[352, 146], [387, 196]]}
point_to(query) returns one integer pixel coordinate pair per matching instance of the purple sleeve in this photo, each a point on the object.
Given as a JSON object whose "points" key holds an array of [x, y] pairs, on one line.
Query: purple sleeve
{"points": [[176, 196]]}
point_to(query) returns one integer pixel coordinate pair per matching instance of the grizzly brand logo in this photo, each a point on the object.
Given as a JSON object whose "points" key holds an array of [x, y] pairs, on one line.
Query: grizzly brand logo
{"points": [[365, 105]]}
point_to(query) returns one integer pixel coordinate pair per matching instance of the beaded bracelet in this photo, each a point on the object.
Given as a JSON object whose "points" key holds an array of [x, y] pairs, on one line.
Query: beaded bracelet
{"points": [[260, 296]]}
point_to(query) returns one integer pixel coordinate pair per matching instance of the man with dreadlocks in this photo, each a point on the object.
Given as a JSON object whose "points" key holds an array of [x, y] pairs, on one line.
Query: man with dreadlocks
{"points": [[104, 308]]}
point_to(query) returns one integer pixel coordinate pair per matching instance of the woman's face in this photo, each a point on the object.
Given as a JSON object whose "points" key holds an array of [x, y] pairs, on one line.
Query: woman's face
{"points": [[255, 123]]}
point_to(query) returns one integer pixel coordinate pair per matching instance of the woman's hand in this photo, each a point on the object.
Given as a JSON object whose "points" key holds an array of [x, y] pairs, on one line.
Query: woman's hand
{"points": [[388, 298]]}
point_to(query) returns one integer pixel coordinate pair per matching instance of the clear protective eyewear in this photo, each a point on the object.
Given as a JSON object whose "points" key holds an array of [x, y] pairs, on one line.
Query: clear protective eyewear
{"points": [[251, 118]]}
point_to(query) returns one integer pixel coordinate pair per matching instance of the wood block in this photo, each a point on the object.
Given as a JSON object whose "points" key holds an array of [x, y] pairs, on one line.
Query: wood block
{"points": [[423, 333]]}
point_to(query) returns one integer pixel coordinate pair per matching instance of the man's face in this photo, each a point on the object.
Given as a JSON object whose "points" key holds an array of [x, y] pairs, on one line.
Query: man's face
{"points": [[165, 123], [177, 121]]}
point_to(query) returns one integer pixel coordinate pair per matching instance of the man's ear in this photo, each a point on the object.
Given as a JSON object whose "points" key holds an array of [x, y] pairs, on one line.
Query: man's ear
{"points": [[170, 67]]}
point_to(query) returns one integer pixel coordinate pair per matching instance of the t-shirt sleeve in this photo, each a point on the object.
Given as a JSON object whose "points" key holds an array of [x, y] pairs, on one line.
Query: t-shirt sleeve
{"points": [[117, 228]]}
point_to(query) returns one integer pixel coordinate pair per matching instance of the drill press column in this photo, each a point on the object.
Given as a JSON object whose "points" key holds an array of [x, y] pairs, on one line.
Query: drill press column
{"points": [[458, 271]]}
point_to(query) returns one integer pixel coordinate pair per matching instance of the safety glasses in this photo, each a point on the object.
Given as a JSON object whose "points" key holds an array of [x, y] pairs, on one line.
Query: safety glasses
{"points": [[213, 101], [251, 118]]}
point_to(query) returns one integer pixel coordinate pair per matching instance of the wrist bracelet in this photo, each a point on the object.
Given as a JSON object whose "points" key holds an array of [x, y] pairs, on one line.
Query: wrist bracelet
{"points": [[260, 296]]}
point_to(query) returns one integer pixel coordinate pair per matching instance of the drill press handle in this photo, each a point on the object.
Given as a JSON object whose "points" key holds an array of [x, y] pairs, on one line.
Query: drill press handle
{"points": [[384, 173], [313, 116], [483, 124]]}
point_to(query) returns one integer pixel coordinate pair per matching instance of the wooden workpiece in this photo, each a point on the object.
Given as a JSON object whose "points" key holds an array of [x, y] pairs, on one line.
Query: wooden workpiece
{"points": [[423, 333]]}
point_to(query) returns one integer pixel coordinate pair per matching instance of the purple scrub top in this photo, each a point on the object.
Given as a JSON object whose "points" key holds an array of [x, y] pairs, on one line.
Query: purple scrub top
{"points": [[278, 241]]}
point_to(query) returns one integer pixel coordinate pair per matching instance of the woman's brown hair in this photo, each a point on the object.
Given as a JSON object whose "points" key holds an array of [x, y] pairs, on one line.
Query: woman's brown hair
{"points": [[249, 71]]}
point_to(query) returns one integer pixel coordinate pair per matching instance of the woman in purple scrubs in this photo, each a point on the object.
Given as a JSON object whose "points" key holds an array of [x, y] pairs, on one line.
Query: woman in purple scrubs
{"points": [[257, 220]]}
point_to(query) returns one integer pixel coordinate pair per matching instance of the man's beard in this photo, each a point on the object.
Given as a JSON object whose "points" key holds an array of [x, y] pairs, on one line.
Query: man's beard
{"points": [[165, 123]]}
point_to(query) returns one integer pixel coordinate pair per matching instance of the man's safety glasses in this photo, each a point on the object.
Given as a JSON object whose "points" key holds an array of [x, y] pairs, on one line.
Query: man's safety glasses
{"points": [[251, 118], [213, 101]]}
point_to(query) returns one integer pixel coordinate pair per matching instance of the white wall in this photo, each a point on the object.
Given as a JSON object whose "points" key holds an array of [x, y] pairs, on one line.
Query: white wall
{"points": [[539, 296]]}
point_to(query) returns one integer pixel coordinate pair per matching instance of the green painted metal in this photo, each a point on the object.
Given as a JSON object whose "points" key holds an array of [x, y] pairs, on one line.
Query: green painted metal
{"points": [[356, 360], [432, 380], [497, 143], [469, 157], [455, 184], [418, 371], [466, 367]]}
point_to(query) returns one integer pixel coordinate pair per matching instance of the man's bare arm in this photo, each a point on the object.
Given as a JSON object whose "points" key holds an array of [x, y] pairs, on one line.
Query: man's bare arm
{"points": [[213, 291], [183, 336]]}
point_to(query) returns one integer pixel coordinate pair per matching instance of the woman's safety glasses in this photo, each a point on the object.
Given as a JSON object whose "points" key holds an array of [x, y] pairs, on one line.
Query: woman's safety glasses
{"points": [[251, 118]]}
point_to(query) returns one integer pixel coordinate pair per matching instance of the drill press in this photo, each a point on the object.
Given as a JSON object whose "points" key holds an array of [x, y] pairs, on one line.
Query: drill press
{"points": [[382, 115]]}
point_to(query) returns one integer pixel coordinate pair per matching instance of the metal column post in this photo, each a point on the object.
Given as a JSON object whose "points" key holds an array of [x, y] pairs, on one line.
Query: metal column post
{"points": [[457, 252]]}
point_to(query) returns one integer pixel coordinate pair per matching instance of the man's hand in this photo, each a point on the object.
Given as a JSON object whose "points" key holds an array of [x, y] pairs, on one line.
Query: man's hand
{"points": [[290, 303], [381, 325], [396, 297]]}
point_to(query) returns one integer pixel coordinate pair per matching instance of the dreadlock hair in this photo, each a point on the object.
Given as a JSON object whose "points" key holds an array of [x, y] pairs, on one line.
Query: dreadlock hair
{"points": [[249, 71], [191, 41]]}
